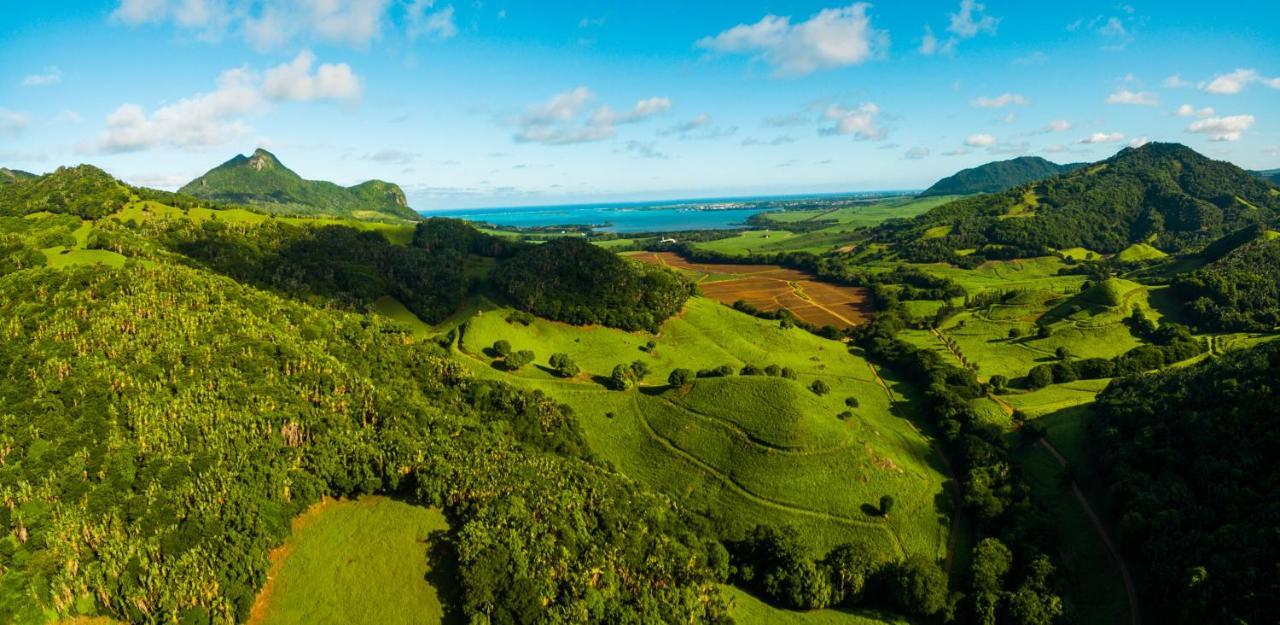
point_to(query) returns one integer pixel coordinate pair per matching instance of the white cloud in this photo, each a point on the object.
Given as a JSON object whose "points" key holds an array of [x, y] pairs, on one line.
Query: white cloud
{"points": [[980, 140], [1235, 82], [1000, 101], [392, 156], [438, 24], [295, 81], [1186, 110], [1176, 82], [1103, 137], [832, 38], [698, 128], [956, 152], [1138, 142], [970, 21], [1058, 125], [1140, 98], [214, 118], [201, 121], [967, 23], [778, 140], [1222, 128], [916, 153], [1009, 118], [858, 121], [140, 11], [12, 123], [50, 76], [67, 117], [560, 120], [644, 149], [272, 24]]}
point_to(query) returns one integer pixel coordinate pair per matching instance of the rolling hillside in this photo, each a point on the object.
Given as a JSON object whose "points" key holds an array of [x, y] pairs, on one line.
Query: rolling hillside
{"points": [[998, 176], [261, 180], [1162, 194]]}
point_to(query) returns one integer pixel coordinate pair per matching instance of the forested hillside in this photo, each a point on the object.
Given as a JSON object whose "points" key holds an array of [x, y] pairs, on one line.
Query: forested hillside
{"points": [[1163, 194], [574, 281], [1239, 291], [1191, 455], [998, 176], [262, 181], [9, 176], [84, 191], [161, 425]]}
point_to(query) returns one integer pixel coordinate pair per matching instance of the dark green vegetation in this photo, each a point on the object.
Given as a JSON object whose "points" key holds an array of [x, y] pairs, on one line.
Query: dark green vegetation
{"points": [[998, 176], [1162, 194], [9, 176], [84, 191], [262, 181], [574, 281], [1191, 456], [162, 425], [1240, 291], [1272, 175]]}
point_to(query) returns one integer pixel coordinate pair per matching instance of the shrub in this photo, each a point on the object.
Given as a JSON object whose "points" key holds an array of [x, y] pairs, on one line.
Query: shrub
{"points": [[680, 377], [819, 387]]}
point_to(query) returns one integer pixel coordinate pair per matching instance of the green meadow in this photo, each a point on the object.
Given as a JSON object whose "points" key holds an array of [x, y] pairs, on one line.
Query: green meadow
{"points": [[372, 560], [744, 449]]}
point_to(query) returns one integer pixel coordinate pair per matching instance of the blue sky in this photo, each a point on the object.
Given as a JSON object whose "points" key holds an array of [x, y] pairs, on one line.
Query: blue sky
{"points": [[496, 103]]}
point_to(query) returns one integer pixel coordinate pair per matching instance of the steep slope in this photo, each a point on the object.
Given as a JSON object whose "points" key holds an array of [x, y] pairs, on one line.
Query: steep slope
{"points": [[1191, 457], [263, 181], [1163, 194], [998, 176], [10, 176], [1238, 291]]}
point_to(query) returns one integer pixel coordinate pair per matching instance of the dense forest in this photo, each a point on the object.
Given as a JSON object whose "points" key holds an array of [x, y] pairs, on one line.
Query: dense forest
{"points": [[1163, 194], [1191, 455], [1239, 291], [162, 425], [998, 176], [574, 281], [84, 191]]}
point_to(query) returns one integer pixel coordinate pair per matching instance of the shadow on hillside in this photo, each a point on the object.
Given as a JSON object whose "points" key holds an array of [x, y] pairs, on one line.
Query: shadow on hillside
{"points": [[442, 574]]}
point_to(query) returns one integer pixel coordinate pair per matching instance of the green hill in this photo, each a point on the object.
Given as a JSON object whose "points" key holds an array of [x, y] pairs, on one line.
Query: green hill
{"points": [[1238, 291], [1163, 194], [84, 191], [263, 181], [10, 176], [998, 176]]}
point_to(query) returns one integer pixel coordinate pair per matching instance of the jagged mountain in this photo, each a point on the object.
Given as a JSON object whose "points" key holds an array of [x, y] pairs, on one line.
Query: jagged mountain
{"points": [[1162, 194], [998, 176], [262, 181]]}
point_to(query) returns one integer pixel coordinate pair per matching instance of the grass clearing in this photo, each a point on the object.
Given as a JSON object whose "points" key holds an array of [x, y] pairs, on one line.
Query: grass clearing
{"points": [[748, 610], [744, 449], [363, 561]]}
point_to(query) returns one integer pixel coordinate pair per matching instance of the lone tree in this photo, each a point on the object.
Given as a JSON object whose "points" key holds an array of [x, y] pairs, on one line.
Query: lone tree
{"points": [[563, 365], [1015, 333], [638, 370], [819, 387], [1063, 353], [502, 348], [519, 359], [680, 377], [851, 402], [620, 379], [886, 505]]}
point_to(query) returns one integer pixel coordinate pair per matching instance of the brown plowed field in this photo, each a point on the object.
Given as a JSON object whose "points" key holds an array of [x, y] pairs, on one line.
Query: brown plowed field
{"points": [[770, 287]]}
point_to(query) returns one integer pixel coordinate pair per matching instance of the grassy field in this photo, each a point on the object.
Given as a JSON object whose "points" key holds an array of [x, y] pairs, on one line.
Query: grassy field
{"points": [[353, 562], [748, 610], [841, 222], [744, 449], [391, 307]]}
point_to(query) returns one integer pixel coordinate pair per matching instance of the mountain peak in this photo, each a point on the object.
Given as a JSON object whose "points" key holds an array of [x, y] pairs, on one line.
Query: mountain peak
{"points": [[261, 180]]}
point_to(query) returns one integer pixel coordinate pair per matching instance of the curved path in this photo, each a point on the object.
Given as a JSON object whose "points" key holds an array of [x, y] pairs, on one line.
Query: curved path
{"points": [[1129, 589], [755, 441], [743, 491]]}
